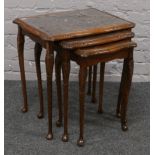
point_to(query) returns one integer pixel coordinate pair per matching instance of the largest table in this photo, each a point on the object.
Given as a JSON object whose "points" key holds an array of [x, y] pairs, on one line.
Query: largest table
{"points": [[48, 29]]}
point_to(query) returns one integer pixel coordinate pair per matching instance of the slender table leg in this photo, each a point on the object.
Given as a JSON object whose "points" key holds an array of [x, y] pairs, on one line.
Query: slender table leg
{"points": [[82, 81], [118, 110], [94, 84], [49, 71], [58, 84], [101, 85], [65, 71], [128, 64], [20, 46], [37, 54], [89, 80]]}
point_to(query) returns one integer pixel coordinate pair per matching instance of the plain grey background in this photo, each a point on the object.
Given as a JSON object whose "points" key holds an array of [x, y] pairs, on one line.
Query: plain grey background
{"points": [[25, 133], [135, 11]]}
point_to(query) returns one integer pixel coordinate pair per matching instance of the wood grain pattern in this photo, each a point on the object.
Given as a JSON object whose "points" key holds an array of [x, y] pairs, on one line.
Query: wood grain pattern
{"points": [[97, 50], [49, 29], [123, 49], [97, 39], [69, 24]]}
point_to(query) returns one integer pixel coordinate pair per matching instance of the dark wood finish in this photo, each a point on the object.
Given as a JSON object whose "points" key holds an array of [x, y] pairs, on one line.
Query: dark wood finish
{"points": [[94, 84], [118, 109], [37, 54], [69, 24], [103, 49], [20, 46], [82, 81], [65, 71], [48, 28], [101, 85], [108, 48], [126, 84], [89, 80], [96, 40], [99, 39], [49, 60], [49, 68], [103, 53], [58, 66]]}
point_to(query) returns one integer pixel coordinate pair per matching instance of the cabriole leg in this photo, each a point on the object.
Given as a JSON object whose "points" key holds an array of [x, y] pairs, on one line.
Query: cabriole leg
{"points": [[49, 71], [20, 46], [94, 84], [118, 110], [58, 84], [37, 54], [65, 71], [128, 71], [101, 85], [82, 82], [89, 81]]}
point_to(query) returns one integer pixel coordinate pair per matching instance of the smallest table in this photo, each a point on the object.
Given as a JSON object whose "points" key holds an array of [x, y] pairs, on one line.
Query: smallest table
{"points": [[49, 29]]}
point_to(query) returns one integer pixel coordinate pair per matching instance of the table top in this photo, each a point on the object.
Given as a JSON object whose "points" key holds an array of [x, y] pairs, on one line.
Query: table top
{"points": [[71, 24]]}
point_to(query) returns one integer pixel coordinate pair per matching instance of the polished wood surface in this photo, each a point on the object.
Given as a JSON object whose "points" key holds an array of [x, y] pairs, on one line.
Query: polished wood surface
{"points": [[49, 60], [103, 49], [82, 81], [124, 92], [100, 39], [101, 85], [48, 30], [37, 55], [20, 49], [125, 88], [71, 24], [65, 71], [89, 81], [121, 49], [58, 66], [97, 39], [94, 84]]}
